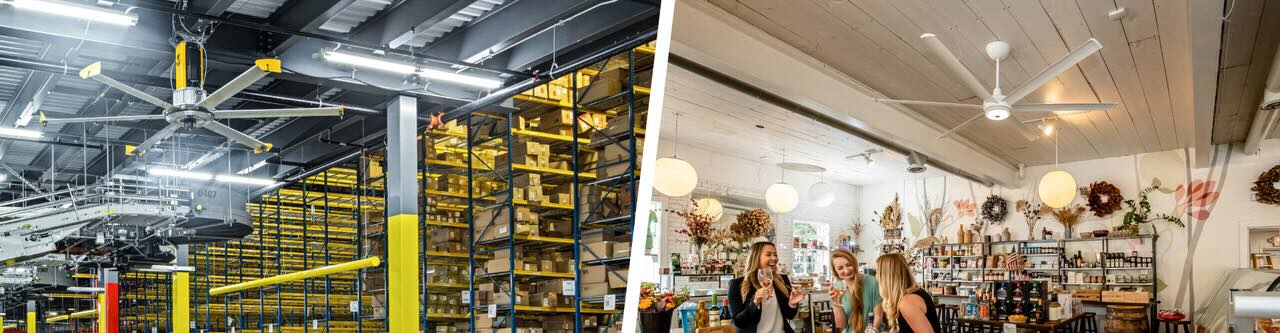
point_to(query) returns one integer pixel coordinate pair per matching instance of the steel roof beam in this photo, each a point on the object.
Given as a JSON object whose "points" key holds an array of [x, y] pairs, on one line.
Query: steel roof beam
{"points": [[505, 27], [583, 30], [396, 26]]}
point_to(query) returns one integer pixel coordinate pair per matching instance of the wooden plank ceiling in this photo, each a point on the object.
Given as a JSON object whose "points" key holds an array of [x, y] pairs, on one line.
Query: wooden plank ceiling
{"points": [[877, 42], [1249, 39]]}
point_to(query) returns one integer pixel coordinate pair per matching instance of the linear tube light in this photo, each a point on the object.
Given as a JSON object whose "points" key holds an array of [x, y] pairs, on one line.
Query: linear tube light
{"points": [[75, 11], [395, 67], [20, 133], [244, 180], [166, 172]]}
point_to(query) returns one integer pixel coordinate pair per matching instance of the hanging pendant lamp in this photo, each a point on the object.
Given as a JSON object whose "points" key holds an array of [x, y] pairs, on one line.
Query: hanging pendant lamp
{"points": [[676, 177], [1057, 188]]}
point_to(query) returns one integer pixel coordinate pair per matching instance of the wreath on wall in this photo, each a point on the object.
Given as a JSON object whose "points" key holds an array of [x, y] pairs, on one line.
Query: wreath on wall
{"points": [[994, 209], [1264, 189], [1104, 198]]}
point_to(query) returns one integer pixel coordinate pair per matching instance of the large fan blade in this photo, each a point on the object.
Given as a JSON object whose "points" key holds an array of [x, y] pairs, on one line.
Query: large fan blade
{"points": [[1064, 107], [45, 121], [929, 103], [957, 128], [94, 72], [1071, 59], [279, 113], [164, 133], [956, 67], [260, 69], [234, 135]]}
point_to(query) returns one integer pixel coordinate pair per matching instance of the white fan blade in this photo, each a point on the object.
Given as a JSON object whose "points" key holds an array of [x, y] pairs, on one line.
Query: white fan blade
{"points": [[956, 67], [234, 135], [45, 121], [929, 103], [279, 113], [94, 72], [1071, 59], [155, 139], [1064, 107], [261, 68], [957, 128]]}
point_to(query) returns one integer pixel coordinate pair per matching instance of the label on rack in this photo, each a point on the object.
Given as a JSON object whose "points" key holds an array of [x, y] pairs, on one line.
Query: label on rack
{"points": [[193, 324], [466, 297], [493, 311], [610, 302], [1010, 328], [567, 288], [355, 306], [315, 324], [271, 328]]}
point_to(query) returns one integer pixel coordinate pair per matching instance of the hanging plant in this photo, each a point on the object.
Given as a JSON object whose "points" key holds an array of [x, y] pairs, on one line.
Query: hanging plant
{"points": [[995, 209], [1104, 198], [1140, 212], [1264, 189]]}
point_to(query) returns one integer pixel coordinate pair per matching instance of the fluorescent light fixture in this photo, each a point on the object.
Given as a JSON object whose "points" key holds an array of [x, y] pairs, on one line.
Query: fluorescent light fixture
{"points": [[76, 11], [85, 289], [395, 67], [369, 62], [167, 172], [245, 180], [20, 133], [459, 78], [4, 177], [253, 167]]}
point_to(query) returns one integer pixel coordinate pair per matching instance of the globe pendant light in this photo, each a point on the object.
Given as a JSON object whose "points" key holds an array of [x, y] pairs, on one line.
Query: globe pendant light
{"points": [[710, 207], [1057, 188], [676, 177], [781, 197], [821, 194]]}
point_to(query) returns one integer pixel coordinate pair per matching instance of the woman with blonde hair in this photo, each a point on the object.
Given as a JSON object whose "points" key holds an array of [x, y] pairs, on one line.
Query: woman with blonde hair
{"points": [[858, 294], [755, 297], [907, 307]]}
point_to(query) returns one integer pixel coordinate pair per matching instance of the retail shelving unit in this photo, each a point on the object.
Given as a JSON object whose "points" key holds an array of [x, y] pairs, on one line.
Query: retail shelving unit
{"points": [[1056, 274]]}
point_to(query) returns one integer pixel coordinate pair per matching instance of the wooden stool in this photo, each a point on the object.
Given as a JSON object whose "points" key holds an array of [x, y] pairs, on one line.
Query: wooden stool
{"points": [[1176, 326], [1089, 324]]}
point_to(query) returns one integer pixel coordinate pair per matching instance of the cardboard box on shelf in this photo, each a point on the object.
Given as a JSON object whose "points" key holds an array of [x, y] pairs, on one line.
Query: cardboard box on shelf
{"points": [[556, 228], [492, 224], [528, 180], [605, 84], [501, 262], [595, 288], [620, 249]]}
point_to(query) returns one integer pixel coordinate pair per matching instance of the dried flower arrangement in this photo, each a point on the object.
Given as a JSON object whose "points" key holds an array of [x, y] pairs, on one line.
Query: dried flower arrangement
{"points": [[1264, 189], [1068, 216], [698, 227], [994, 209], [750, 224], [1032, 212], [892, 216]]}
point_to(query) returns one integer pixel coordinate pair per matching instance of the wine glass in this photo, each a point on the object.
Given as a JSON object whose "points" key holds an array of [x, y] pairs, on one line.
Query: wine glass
{"points": [[765, 276]]}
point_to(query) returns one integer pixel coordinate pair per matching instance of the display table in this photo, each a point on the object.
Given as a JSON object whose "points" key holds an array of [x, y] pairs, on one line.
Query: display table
{"points": [[1065, 325]]}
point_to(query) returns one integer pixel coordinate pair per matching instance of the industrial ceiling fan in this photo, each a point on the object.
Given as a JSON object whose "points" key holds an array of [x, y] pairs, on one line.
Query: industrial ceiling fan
{"points": [[191, 107], [995, 105]]}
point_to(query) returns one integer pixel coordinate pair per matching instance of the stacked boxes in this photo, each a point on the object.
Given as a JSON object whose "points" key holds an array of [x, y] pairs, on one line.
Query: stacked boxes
{"points": [[560, 121], [527, 153], [450, 240]]}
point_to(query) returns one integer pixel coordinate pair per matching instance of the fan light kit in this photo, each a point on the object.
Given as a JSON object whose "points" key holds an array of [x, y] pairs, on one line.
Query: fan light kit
{"points": [[60, 8], [191, 107], [20, 133], [406, 69], [995, 105]]}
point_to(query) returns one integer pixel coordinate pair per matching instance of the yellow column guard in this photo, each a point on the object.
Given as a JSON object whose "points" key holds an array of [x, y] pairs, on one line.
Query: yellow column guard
{"points": [[102, 313], [73, 315], [181, 291], [31, 322], [299, 275]]}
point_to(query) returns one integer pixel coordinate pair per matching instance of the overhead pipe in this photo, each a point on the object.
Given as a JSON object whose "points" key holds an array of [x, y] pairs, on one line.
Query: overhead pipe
{"points": [[299, 275], [1268, 112], [512, 90]]}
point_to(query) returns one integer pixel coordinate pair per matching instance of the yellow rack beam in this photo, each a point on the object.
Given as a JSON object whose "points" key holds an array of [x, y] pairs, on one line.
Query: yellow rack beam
{"points": [[74, 315], [295, 276]]}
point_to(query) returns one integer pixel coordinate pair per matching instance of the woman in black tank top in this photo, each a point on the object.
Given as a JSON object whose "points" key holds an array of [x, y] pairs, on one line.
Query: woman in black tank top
{"points": [[907, 307]]}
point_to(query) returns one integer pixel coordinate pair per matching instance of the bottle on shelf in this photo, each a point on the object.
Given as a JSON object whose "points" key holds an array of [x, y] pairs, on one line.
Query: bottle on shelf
{"points": [[713, 313], [726, 316], [1055, 309]]}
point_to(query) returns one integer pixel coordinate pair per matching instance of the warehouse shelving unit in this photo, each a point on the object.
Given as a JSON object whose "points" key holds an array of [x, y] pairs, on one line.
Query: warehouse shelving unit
{"points": [[582, 147]]}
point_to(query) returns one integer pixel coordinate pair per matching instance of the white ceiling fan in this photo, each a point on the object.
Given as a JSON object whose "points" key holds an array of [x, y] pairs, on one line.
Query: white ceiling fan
{"points": [[191, 106], [995, 105]]}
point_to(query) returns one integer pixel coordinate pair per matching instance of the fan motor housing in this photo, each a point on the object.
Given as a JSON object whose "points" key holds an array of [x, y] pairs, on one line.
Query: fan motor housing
{"points": [[188, 97]]}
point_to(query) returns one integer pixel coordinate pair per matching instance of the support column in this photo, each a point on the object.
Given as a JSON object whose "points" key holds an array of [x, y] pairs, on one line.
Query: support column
{"points": [[180, 294], [111, 301], [402, 216], [32, 314]]}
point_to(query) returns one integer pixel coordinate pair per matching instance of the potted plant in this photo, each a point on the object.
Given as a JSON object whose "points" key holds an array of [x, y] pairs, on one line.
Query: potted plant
{"points": [[1140, 213], [656, 307]]}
